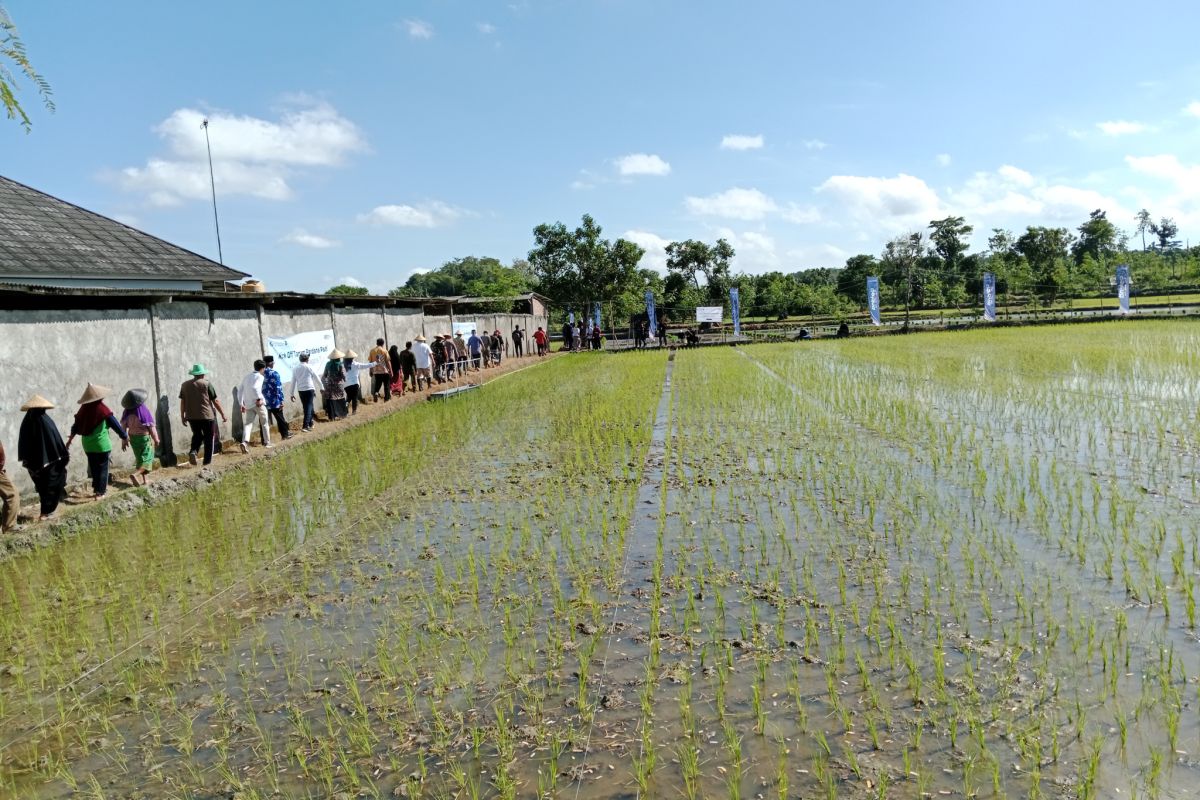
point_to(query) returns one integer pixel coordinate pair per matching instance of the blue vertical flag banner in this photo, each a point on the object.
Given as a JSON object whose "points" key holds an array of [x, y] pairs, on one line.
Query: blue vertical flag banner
{"points": [[596, 316], [735, 305], [650, 314], [1123, 287], [873, 299], [989, 297], [571, 317]]}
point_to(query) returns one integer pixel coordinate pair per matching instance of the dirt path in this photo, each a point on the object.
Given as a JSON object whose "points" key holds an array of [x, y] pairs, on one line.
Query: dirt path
{"points": [[79, 513]]}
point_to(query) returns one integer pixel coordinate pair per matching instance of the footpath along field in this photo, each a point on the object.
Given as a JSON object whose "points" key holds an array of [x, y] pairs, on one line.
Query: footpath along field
{"points": [[949, 565]]}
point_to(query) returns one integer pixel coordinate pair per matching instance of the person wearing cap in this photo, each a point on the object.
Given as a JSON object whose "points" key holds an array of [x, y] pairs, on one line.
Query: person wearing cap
{"points": [[381, 371], [333, 383], [92, 423], [354, 370], [41, 450], [423, 363], [305, 382], [10, 498], [254, 406], [273, 394], [143, 435], [198, 408]]}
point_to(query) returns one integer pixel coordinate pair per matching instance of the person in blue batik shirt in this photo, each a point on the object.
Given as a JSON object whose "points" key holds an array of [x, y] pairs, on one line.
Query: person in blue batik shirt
{"points": [[273, 394]]}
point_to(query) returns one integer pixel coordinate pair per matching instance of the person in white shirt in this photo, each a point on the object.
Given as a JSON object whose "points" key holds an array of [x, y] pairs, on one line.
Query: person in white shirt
{"points": [[424, 358], [254, 406], [353, 370], [306, 382]]}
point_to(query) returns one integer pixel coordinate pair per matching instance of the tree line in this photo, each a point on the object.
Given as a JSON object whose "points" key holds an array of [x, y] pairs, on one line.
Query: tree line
{"points": [[932, 268]]}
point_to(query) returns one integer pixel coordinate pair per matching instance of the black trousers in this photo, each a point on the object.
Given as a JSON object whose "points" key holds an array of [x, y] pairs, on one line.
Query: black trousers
{"points": [[50, 481], [98, 470], [280, 423], [384, 382], [517, 345], [202, 436], [352, 397]]}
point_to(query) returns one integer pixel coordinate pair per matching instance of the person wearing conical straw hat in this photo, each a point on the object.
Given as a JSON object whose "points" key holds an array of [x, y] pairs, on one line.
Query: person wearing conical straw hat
{"points": [[333, 381], [198, 409], [10, 498], [354, 371], [92, 423], [423, 363], [143, 434], [41, 450]]}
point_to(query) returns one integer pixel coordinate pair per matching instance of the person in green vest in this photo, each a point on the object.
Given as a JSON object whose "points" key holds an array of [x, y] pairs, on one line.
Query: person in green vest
{"points": [[92, 423]]}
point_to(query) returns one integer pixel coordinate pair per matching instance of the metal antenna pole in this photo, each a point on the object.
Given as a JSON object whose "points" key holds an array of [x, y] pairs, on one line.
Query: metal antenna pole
{"points": [[213, 183]]}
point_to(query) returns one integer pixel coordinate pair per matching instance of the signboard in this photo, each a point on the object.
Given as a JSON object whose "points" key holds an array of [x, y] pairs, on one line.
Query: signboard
{"points": [[464, 328], [735, 306], [873, 299], [989, 297], [288, 349], [1123, 287], [650, 314], [710, 313]]}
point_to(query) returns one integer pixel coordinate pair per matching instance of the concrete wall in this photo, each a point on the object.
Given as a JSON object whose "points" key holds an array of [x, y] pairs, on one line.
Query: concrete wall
{"points": [[357, 329], [55, 352]]}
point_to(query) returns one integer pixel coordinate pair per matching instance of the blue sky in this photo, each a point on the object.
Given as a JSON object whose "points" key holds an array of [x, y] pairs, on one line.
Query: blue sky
{"points": [[364, 141]]}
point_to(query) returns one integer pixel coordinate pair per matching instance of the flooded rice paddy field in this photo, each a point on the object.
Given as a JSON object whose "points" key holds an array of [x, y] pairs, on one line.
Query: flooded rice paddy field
{"points": [[948, 565]]}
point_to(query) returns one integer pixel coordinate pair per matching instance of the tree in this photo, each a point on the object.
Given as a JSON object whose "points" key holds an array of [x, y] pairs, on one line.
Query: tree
{"points": [[774, 295], [347, 290], [852, 278], [900, 257], [1046, 251], [1166, 230], [693, 259], [578, 267], [1097, 238], [949, 237], [12, 51], [474, 276], [1143, 224]]}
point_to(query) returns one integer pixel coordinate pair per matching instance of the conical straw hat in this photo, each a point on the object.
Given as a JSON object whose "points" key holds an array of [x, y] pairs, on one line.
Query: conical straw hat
{"points": [[350, 354], [94, 392], [134, 398], [336, 354], [37, 401]]}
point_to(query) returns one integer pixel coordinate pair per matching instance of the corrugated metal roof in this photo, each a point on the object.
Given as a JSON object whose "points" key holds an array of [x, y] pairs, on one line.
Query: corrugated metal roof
{"points": [[42, 236]]}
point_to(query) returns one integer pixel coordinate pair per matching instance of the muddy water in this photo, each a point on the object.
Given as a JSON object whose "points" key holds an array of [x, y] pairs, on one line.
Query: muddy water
{"points": [[699, 578]]}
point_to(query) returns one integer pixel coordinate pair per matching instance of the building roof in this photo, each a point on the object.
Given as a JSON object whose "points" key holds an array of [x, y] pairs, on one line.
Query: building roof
{"points": [[44, 237]]}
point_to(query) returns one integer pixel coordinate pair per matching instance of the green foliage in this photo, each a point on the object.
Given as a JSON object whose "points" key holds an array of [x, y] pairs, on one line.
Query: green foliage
{"points": [[576, 268], [347, 290], [1097, 239], [692, 259], [471, 276], [12, 51]]}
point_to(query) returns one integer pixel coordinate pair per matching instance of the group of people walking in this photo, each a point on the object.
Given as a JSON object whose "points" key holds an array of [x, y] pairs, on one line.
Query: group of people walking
{"points": [[342, 384], [581, 338]]}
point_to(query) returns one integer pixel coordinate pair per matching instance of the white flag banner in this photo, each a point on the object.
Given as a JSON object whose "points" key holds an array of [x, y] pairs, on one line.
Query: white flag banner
{"points": [[288, 349], [710, 313]]}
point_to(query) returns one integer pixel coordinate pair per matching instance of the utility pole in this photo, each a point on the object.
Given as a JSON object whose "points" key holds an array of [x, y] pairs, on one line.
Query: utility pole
{"points": [[213, 183]]}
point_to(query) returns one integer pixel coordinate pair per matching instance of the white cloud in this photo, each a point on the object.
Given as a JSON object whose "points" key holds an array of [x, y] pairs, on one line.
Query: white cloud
{"points": [[1121, 127], [654, 245], [801, 215], [642, 164], [809, 256], [943, 159], [418, 29], [350, 280], [251, 156], [736, 203], [433, 214], [903, 199], [1192, 109], [755, 250], [486, 28], [305, 239], [1012, 195], [814, 144], [737, 141], [1015, 175]]}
